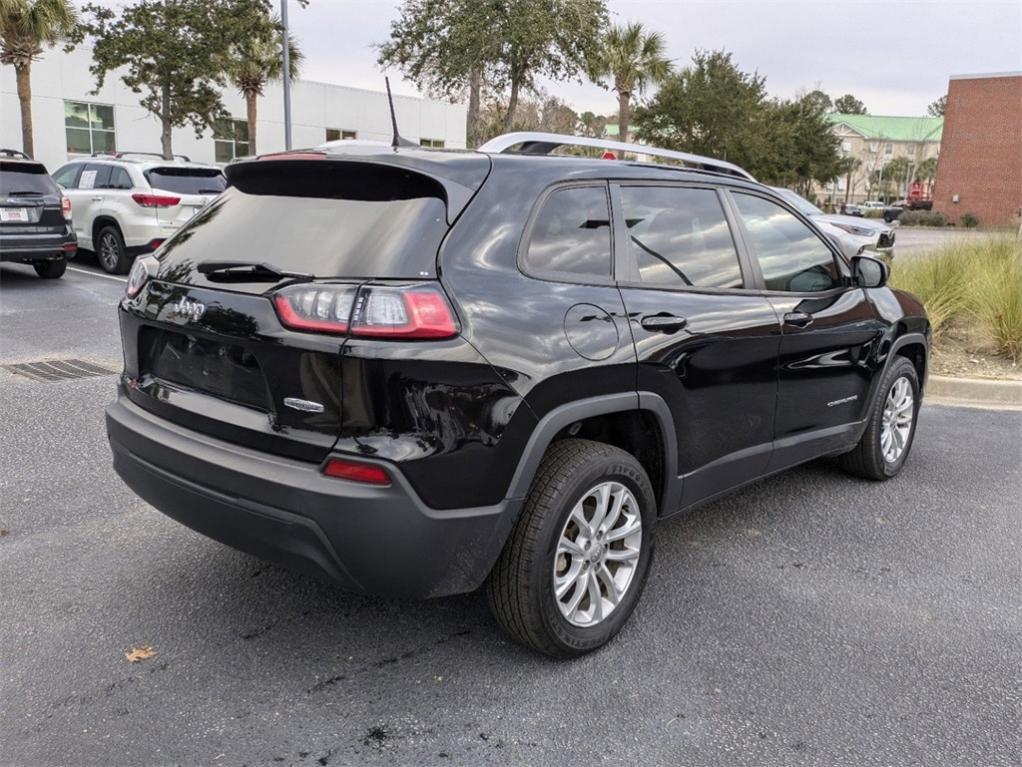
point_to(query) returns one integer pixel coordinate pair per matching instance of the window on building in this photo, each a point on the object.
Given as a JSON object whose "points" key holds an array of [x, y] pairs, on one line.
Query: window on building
{"points": [[790, 255], [88, 127], [572, 233], [230, 139], [846, 146], [336, 134], [680, 237], [911, 150], [888, 148], [432, 143]]}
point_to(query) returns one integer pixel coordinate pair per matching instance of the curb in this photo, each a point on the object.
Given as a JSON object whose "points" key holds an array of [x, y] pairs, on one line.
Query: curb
{"points": [[975, 391]]}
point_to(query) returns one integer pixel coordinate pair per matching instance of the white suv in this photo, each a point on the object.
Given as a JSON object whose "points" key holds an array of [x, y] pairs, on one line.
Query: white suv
{"points": [[127, 203]]}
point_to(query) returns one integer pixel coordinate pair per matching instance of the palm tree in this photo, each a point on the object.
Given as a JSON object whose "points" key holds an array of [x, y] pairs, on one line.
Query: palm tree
{"points": [[631, 58], [254, 60], [26, 28]]}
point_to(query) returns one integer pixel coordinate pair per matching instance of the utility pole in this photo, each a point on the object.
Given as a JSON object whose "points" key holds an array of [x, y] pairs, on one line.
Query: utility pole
{"points": [[286, 79]]}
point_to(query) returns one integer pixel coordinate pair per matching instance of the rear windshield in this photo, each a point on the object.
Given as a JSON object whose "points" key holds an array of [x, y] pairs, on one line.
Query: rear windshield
{"points": [[344, 221], [187, 180], [23, 178]]}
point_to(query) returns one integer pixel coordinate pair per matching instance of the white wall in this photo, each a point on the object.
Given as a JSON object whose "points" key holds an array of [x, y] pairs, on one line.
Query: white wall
{"points": [[60, 76]]}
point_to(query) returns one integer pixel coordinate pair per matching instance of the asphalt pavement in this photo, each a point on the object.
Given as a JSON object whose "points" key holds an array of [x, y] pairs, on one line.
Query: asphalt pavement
{"points": [[812, 619]]}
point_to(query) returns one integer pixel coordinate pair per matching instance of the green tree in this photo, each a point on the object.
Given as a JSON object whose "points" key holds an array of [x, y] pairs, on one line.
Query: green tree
{"points": [[253, 56], [927, 170], [820, 100], [894, 176], [849, 105], [27, 27], [591, 125], [172, 51], [446, 47], [809, 148], [476, 45], [710, 108], [937, 108], [629, 59]]}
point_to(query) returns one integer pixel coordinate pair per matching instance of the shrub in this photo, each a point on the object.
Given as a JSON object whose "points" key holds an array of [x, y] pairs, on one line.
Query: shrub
{"points": [[969, 221], [873, 213], [922, 218], [977, 282]]}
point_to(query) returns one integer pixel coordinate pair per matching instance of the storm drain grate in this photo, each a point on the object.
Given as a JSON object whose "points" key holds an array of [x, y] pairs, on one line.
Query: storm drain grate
{"points": [[50, 371]]}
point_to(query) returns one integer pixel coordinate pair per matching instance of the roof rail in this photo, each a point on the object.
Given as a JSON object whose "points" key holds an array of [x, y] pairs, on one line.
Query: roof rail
{"points": [[543, 143], [17, 155], [123, 155]]}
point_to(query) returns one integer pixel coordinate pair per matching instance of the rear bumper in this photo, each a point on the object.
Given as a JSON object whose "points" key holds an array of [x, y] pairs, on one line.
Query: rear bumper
{"points": [[29, 248], [369, 539]]}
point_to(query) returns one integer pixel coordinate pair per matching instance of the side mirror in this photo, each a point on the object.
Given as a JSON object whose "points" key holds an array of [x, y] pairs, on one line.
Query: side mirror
{"points": [[869, 272]]}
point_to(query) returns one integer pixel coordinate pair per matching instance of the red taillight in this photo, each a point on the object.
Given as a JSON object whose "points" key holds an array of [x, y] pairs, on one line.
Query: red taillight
{"points": [[154, 244], [155, 200], [65, 207], [369, 473], [379, 311], [608, 155], [70, 247], [403, 313]]}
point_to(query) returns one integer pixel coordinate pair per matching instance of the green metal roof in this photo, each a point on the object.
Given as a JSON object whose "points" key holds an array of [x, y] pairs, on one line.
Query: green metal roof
{"points": [[892, 128]]}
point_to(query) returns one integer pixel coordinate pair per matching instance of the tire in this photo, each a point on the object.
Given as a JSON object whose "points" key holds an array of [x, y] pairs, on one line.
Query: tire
{"points": [[868, 459], [110, 250], [50, 270], [521, 588]]}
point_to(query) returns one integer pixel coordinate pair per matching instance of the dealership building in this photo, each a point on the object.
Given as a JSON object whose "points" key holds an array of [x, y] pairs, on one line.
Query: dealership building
{"points": [[70, 121]]}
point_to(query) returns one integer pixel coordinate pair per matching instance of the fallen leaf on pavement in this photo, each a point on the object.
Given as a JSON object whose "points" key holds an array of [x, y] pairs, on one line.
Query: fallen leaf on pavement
{"points": [[136, 654], [3, 531]]}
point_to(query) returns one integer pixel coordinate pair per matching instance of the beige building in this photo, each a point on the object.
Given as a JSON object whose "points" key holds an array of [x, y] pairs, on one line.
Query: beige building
{"points": [[875, 141]]}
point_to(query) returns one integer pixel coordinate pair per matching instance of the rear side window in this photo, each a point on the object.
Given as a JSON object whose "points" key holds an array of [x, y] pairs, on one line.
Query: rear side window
{"points": [[327, 218], [791, 256], [119, 179], [187, 180], [94, 177], [25, 178], [571, 234], [67, 176], [680, 237]]}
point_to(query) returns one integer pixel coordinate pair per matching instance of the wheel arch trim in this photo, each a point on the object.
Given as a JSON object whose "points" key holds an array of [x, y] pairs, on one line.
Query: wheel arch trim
{"points": [[564, 415]]}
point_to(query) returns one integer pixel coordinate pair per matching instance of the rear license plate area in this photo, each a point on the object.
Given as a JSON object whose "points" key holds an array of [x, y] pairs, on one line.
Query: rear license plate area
{"points": [[224, 370]]}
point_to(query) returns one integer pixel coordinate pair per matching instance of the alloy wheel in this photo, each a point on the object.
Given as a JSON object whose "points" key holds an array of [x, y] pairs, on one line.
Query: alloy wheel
{"points": [[597, 554], [899, 413], [109, 253]]}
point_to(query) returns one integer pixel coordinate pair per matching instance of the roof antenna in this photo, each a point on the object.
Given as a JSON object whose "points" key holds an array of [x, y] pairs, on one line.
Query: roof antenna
{"points": [[398, 139]]}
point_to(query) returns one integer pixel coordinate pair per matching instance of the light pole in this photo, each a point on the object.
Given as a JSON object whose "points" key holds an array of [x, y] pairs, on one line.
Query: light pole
{"points": [[286, 79]]}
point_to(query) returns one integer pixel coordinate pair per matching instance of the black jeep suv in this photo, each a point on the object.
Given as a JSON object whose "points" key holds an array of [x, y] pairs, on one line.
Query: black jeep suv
{"points": [[419, 372], [35, 217]]}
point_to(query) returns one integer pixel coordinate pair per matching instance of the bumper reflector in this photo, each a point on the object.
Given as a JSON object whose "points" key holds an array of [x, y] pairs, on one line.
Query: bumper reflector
{"points": [[369, 473]]}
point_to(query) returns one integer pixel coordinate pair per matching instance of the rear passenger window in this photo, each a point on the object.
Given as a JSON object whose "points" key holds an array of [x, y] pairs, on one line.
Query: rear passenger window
{"points": [[119, 179], [572, 233], [791, 256], [679, 237], [67, 176]]}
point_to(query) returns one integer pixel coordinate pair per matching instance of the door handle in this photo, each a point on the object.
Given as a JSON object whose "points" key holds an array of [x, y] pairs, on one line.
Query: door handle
{"points": [[663, 323], [798, 319]]}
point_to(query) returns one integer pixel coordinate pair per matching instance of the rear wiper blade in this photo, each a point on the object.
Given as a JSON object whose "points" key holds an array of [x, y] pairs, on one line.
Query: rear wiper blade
{"points": [[249, 270], [25, 193], [210, 191]]}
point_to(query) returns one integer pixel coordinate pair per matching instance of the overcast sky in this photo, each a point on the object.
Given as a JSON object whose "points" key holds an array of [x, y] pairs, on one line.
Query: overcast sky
{"points": [[895, 55]]}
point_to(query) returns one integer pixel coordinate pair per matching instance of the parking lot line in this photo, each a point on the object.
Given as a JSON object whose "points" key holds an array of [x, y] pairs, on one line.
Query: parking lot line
{"points": [[97, 274]]}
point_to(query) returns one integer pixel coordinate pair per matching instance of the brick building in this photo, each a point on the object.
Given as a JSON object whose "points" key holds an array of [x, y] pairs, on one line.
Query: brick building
{"points": [[980, 168]]}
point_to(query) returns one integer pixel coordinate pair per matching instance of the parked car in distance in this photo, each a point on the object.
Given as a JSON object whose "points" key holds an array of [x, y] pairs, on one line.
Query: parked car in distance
{"points": [[128, 203], [419, 373], [854, 235], [35, 218], [872, 205]]}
